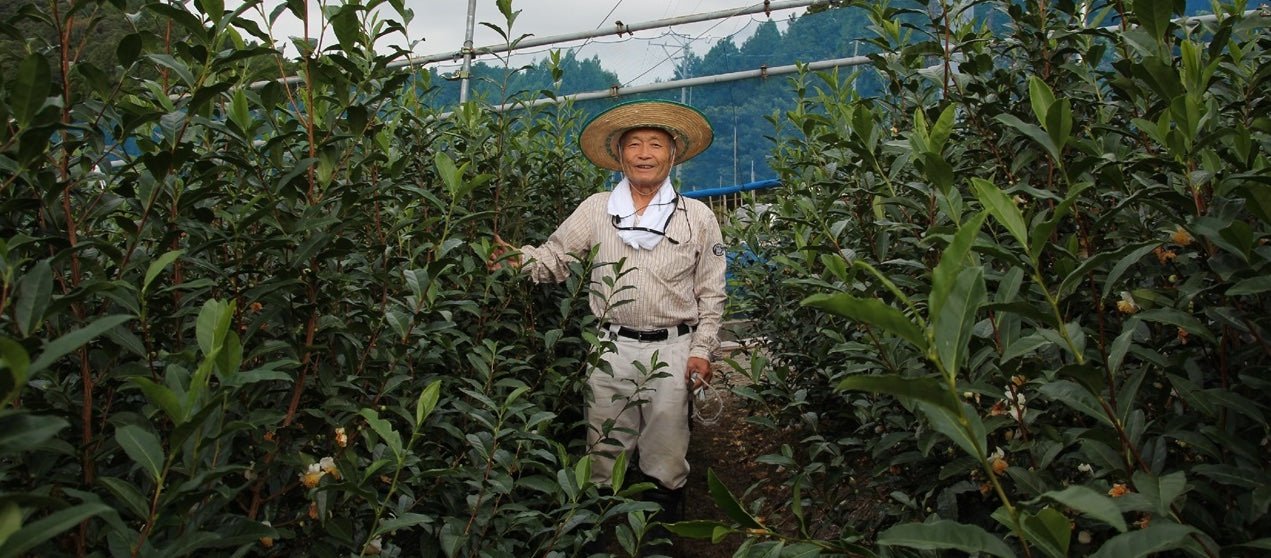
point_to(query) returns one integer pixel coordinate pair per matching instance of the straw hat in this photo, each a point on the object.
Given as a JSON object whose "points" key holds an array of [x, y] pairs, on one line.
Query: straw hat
{"points": [[687, 125]]}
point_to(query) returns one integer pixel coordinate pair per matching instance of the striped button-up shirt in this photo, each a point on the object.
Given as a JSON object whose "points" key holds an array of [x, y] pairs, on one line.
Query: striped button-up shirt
{"points": [[681, 280]]}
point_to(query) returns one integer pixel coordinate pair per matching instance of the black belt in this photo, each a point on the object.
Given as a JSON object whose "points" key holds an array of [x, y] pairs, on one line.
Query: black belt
{"points": [[648, 335]]}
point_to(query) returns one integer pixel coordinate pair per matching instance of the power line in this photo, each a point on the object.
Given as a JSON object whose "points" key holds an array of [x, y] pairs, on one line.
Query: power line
{"points": [[685, 46], [681, 49], [603, 20]]}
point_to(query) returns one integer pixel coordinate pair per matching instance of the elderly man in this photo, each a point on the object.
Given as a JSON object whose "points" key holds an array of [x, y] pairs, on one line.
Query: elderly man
{"points": [[666, 302]]}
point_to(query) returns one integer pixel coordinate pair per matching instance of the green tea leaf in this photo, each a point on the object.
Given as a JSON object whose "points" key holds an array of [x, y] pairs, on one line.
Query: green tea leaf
{"points": [[871, 311], [162, 397], [212, 324], [1160, 491], [35, 288], [945, 535], [1041, 233], [10, 520], [952, 261], [1120, 346], [1036, 133], [127, 493], [1003, 210], [1041, 97], [1132, 254], [21, 432], [1235, 402], [189, 542], [1075, 397], [1059, 123], [427, 402], [890, 285], [961, 425], [385, 431], [728, 503], [14, 363], [1252, 285], [402, 522], [71, 341], [1093, 504], [128, 49], [143, 447], [178, 67], [952, 328], [344, 22], [699, 529], [930, 388], [1161, 535], [1049, 530], [40, 531], [213, 9], [1024, 346], [582, 472], [942, 128], [1154, 16], [157, 267], [31, 89], [1177, 318], [449, 173], [1264, 544], [618, 474]]}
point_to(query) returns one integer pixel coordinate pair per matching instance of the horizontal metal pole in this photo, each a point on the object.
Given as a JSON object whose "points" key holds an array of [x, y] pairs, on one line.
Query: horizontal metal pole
{"points": [[762, 72], [617, 29], [1192, 21]]}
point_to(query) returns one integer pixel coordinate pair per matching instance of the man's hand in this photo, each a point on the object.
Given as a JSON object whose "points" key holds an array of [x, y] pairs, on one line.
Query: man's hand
{"points": [[501, 249], [702, 368]]}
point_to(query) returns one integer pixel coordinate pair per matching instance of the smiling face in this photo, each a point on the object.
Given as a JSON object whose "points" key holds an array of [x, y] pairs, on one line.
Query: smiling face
{"points": [[647, 156]]}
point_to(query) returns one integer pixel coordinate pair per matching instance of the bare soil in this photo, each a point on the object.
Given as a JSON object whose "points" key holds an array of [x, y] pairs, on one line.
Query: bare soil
{"points": [[730, 447]]}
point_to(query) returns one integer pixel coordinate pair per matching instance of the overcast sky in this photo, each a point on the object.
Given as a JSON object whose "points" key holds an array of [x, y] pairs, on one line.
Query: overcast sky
{"points": [[441, 25]]}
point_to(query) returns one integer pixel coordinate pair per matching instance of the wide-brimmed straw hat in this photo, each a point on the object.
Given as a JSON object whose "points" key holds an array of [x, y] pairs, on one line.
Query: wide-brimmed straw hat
{"points": [[686, 125]]}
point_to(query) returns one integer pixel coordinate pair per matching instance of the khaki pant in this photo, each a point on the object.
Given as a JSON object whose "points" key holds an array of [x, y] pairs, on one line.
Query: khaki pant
{"points": [[648, 409]]}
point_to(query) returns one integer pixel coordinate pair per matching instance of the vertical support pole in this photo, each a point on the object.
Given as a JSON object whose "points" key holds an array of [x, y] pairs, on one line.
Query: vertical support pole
{"points": [[467, 52]]}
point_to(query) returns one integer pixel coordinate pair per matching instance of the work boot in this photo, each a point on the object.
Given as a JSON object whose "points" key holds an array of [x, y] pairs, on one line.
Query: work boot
{"points": [[600, 544], [672, 504]]}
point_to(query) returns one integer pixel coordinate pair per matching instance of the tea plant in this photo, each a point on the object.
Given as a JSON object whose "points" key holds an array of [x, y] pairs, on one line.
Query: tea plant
{"points": [[1019, 305], [242, 314]]}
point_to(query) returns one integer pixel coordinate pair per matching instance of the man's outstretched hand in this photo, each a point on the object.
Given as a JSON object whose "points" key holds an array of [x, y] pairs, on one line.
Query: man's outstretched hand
{"points": [[502, 249]]}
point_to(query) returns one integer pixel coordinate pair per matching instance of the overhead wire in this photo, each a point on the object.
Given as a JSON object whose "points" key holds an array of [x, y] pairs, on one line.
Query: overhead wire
{"points": [[699, 37], [674, 54], [704, 35], [603, 21]]}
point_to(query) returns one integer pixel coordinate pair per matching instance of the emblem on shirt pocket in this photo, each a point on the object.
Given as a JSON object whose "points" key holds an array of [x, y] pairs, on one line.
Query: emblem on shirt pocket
{"points": [[718, 249]]}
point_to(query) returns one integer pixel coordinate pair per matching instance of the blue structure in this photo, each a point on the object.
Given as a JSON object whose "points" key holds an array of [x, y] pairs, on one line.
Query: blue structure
{"points": [[735, 189]]}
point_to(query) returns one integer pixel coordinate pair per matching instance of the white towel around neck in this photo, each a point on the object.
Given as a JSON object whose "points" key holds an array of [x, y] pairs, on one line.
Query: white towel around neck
{"points": [[654, 217]]}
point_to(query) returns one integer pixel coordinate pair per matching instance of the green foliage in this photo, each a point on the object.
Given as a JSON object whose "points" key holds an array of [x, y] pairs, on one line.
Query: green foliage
{"points": [[256, 318], [1014, 305]]}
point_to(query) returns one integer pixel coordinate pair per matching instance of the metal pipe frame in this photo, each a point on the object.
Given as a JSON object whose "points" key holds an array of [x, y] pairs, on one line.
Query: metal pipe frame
{"points": [[468, 52], [766, 7]]}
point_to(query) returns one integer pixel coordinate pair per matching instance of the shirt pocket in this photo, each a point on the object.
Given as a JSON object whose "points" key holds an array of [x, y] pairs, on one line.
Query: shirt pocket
{"points": [[680, 261]]}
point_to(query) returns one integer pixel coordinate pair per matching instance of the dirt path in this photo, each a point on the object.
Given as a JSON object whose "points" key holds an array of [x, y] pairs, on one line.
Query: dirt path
{"points": [[730, 448]]}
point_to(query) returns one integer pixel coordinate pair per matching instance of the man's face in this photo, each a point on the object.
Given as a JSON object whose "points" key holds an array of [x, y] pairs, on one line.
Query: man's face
{"points": [[647, 155]]}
